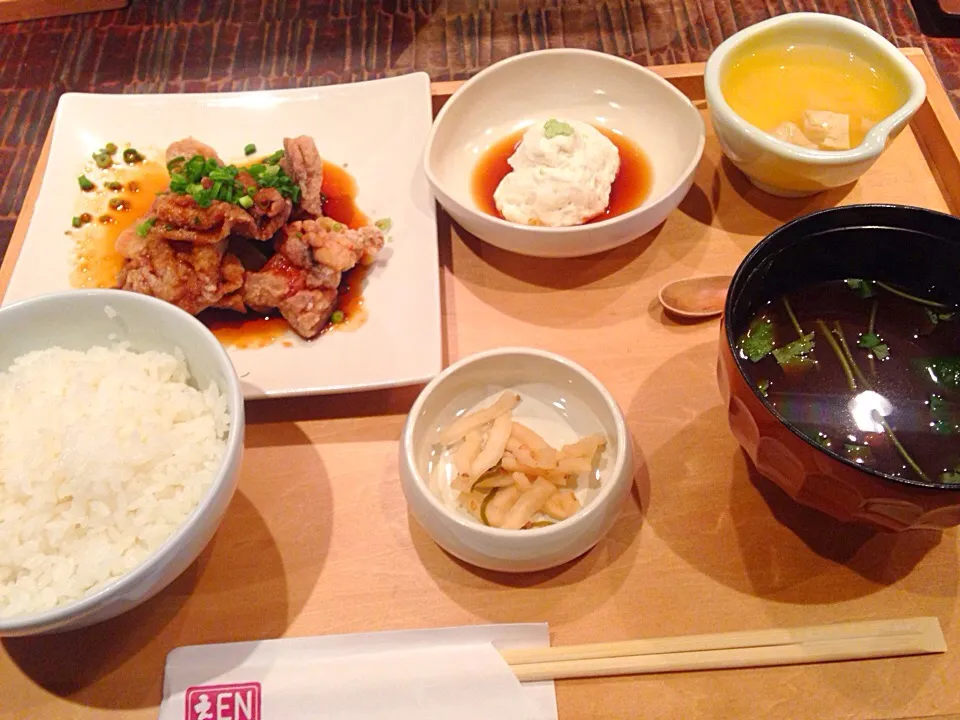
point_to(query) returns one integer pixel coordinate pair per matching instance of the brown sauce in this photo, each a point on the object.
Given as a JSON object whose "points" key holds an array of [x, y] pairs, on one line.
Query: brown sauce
{"points": [[350, 302], [244, 332], [96, 261], [340, 190], [630, 188]]}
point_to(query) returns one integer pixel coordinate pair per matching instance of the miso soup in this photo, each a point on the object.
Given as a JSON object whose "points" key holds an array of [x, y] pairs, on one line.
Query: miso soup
{"points": [[811, 94], [866, 369]]}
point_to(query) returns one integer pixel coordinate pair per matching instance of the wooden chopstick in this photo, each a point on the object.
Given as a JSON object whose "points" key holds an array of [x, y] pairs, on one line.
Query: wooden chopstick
{"points": [[756, 648]]}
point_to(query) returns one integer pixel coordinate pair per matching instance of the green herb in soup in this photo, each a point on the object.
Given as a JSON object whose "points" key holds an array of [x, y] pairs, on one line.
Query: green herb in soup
{"points": [[883, 387]]}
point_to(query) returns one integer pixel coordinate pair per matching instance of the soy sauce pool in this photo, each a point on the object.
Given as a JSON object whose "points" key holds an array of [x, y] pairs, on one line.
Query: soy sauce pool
{"points": [[905, 368]]}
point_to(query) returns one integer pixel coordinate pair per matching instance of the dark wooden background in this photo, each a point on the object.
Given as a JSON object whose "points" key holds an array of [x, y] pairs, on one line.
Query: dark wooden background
{"points": [[194, 46]]}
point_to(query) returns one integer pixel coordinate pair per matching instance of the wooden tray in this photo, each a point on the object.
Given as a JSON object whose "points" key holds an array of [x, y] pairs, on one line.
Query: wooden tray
{"points": [[318, 539]]}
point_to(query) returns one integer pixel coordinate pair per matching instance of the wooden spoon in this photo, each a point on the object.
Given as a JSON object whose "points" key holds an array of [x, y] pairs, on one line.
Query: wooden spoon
{"points": [[696, 297]]}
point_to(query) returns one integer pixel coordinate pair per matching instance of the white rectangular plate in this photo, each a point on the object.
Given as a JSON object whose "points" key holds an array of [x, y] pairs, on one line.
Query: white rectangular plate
{"points": [[377, 129]]}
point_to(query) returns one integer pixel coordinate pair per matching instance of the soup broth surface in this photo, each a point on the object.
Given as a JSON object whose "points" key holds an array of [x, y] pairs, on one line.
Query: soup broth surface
{"points": [[776, 82], [910, 376]]}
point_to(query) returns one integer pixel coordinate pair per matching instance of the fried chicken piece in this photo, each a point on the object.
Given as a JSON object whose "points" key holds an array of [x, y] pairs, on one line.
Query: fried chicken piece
{"points": [[129, 243], [305, 297], [270, 211], [302, 161], [275, 282], [292, 244], [190, 146], [308, 310], [192, 277], [302, 278], [329, 243], [180, 218], [232, 274], [233, 301]]}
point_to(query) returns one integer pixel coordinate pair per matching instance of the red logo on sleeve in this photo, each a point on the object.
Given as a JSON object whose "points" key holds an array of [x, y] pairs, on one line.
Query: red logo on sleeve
{"points": [[236, 701]]}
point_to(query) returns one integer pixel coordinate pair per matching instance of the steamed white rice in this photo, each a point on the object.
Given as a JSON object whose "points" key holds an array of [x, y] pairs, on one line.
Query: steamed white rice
{"points": [[103, 455]]}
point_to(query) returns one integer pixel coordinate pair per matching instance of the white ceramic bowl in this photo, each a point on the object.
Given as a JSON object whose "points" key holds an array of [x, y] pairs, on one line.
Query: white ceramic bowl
{"points": [[560, 400], [593, 87], [78, 320], [784, 169]]}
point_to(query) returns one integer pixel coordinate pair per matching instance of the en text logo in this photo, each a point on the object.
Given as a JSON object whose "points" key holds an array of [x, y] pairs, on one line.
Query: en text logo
{"points": [[236, 701]]}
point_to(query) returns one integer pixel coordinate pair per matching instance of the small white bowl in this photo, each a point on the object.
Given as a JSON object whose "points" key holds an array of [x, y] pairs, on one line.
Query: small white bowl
{"points": [[781, 168], [593, 87], [560, 400], [78, 320]]}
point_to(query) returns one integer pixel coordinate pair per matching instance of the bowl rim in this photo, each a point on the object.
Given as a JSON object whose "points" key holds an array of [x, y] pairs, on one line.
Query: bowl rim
{"points": [[52, 619], [873, 143], [624, 450], [541, 230], [761, 249]]}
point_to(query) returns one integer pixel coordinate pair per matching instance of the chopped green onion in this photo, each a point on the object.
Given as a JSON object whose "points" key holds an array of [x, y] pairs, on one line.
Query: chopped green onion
{"points": [[76, 222], [114, 186], [275, 158], [110, 148], [337, 317], [85, 183], [384, 224], [102, 159], [203, 198], [144, 227], [132, 157], [116, 203], [246, 202], [206, 181], [249, 149], [223, 173]]}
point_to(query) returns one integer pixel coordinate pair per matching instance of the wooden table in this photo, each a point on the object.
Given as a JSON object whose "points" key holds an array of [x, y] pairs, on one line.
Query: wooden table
{"points": [[318, 538]]}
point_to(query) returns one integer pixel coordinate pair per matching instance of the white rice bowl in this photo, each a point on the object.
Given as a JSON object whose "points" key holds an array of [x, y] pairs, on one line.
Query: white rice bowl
{"points": [[104, 454]]}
